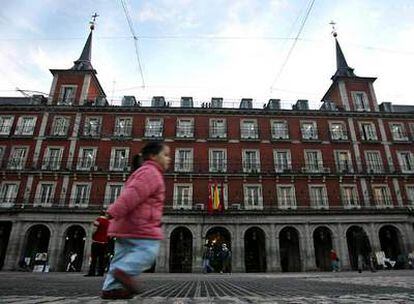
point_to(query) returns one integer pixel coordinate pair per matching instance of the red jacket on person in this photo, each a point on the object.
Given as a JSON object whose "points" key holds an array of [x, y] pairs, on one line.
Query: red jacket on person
{"points": [[138, 210]]}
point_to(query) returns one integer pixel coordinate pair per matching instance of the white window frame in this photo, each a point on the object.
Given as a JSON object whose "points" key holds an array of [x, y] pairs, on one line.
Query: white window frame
{"points": [[20, 164], [216, 131], [283, 201], [180, 205], [313, 133], [368, 134], [155, 131], [248, 132], [63, 129], [5, 129], [251, 167], [323, 204], [187, 164], [126, 130], [374, 167], [11, 198], [217, 165], [282, 166], [81, 156], [315, 168], [338, 135], [108, 198], [404, 166], [85, 202], [409, 190], [47, 165], [122, 164], [279, 133], [386, 201], [340, 167], [256, 205], [37, 201], [87, 127], [25, 130], [364, 105], [346, 201], [68, 100], [401, 135], [2, 153], [185, 131]]}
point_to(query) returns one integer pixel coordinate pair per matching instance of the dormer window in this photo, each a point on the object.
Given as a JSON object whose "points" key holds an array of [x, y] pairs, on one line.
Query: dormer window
{"points": [[360, 101], [67, 95], [309, 130]]}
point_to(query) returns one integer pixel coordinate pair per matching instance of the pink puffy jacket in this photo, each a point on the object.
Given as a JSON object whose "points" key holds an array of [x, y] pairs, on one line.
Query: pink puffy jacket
{"points": [[138, 210]]}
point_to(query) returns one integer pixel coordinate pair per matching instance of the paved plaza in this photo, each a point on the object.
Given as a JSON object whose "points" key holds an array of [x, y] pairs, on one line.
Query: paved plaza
{"points": [[342, 287]]}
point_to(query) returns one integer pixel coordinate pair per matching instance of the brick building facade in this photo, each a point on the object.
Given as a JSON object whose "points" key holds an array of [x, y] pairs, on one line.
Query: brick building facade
{"points": [[295, 183]]}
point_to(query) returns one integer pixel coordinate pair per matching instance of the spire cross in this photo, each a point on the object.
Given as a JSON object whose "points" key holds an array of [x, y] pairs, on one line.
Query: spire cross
{"points": [[92, 22], [332, 23]]}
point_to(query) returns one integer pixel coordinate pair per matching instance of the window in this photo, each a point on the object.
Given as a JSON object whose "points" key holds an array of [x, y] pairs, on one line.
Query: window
{"points": [[184, 160], [286, 197], [249, 129], [218, 160], [67, 95], [6, 123], [398, 132], [360, 101], [52, 158], [280, 130], [218, 128], [406, 161], [123, 126], [382, 196], [282, 160], [318, 196], [368, 131], [2, 151], [119, 159], [92, 126], [112, 192], [349, 196], [223, 190], [253, 197], [8, 194], [17, 158], [309, 130], [185, 127], [343, 161], [60, 126], [86, 159], [25, 125], [313, 161], [44, 197], [412, 130], [410, 194], [251, 161], [80, 195], [154, 127], [374, 162], [183, 196], [338, 131]]}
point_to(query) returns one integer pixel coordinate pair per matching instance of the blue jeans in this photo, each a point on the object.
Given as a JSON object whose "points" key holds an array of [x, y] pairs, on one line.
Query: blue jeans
{"points": [[132, 256]]}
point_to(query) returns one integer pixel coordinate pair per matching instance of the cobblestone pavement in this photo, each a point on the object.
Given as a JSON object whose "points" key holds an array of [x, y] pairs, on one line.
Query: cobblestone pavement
{"points": [[343, 287]]}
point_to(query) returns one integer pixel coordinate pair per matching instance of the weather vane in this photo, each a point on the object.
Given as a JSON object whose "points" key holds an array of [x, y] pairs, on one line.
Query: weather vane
{"points": [[334, 33], [92, 22]]}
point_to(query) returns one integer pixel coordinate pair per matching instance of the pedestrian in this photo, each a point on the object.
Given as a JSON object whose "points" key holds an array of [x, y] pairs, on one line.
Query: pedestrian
{"points": [[360, 262], [207, 256], [99, 245], [411, 260], [334, 260], [225, 257], [135, 221]]}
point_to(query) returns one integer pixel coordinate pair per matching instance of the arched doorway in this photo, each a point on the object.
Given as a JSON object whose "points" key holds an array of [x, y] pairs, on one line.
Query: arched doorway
{"points": [[358, 243], [215, 238], [255, 250], [74, 248], [390, 240], [37, 244], [322, 242], [289, 250], [181, 250], [5, 228]]}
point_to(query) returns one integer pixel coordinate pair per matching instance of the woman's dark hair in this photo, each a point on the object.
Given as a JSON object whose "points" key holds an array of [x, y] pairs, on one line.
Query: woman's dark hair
{"points": [[151, 148]]}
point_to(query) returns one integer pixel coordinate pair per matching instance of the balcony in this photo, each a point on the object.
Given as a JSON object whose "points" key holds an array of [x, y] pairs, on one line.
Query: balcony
{"points": [[313, 169], [153, 132]]}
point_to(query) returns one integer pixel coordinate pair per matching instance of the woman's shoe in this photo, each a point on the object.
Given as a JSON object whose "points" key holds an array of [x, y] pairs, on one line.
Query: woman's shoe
{"points": [[128, 281]]}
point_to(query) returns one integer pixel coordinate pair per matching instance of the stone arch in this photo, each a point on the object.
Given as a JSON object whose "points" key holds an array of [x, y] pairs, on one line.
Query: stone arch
{"points": [[36, 246], [323, 243], [73, 250], [5, 229], [181, 250], [255, 250], [358, 244], [215, 237], [289, 244], [391, 243]]}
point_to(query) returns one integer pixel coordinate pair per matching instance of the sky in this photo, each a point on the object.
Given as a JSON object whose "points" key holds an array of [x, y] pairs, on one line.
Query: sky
{"points": [[210, 48]]}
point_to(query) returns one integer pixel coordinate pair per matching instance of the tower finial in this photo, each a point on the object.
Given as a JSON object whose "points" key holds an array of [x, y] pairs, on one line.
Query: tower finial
{"points": [[92, 22], [334, 33]]}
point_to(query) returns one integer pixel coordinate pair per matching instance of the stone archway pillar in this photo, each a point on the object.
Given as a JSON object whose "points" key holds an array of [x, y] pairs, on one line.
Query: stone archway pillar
{"points": [[309, 261], [87, 249], [342, 244], [198, 248], [237, 248], [408, 231], [374, 238], [161, 261], [272, 251], [16, 240], [55, 250]]}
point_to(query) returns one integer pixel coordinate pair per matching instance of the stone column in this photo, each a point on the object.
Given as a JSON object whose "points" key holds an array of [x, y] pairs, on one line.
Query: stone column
{"points": [[342, 244], [272, 251], [55, 248], [238, 251], [161, 259], [409, 236], [16, 241], [87, 250], [374, 238], [198, 247], [309, 258]]}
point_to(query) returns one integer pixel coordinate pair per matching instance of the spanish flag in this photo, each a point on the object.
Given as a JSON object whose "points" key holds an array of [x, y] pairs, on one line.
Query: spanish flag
{"points": [[216, 198]]}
